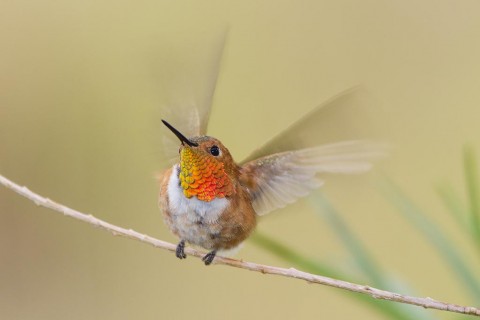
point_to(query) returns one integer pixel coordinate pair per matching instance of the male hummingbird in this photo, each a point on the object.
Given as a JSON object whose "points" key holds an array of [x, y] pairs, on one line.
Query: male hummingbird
{"points": [[211, 201]]}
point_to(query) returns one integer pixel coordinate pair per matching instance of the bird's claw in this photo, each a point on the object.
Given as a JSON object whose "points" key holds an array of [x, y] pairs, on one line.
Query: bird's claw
{"points": [[208, 258], [179, 252]]}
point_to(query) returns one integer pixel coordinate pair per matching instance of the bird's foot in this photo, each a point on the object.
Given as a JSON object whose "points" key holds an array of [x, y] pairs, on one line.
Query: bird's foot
{"points": [[208, 258], [179, 252]]}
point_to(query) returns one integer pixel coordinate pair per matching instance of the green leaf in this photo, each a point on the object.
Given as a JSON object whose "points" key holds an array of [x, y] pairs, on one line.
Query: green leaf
{"points": [[434, 235], [361, 255], [390, 310], [470, 168], [454, 205], [288, 254], [354, 246]]}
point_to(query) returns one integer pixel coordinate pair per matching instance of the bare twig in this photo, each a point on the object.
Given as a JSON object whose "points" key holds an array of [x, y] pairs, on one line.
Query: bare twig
{"points": [[290, 273]]}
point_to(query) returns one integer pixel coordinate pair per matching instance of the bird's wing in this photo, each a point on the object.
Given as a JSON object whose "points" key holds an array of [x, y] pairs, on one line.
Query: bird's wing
{"points": [[188, 80], [291, 164], [279, 179], [348, 115]]}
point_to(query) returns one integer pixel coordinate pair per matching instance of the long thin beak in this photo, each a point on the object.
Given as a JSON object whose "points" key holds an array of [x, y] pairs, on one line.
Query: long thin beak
{"points": [[180, 136]]}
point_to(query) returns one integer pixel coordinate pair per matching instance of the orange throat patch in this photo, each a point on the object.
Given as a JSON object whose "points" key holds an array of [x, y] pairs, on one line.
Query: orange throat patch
{"points": [[203, 176]]}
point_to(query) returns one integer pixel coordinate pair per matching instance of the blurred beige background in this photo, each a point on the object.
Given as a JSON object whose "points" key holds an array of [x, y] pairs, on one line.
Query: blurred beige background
{"points": [[81, 83]]}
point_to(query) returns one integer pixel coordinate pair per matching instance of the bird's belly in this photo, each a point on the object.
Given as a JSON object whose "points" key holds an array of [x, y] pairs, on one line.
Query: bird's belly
{"points": [[193, 220], [197, 232]]}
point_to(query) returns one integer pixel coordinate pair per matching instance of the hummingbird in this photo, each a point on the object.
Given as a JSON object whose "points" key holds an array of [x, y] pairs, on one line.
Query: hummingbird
{"points": [[211, 201]]}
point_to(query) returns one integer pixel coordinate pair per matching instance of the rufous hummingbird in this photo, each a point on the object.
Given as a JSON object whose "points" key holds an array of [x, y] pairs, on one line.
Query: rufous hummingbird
{"points": [[211, 201]]}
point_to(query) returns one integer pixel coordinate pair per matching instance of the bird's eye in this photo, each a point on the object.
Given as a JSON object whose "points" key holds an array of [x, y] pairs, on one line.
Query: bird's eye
{"points": [[214, 151]]}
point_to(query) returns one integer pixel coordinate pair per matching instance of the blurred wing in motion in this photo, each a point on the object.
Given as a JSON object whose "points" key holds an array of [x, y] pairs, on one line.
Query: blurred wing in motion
{"points": [[290, 165], [188, 79], [343, 117], [279, 179]]}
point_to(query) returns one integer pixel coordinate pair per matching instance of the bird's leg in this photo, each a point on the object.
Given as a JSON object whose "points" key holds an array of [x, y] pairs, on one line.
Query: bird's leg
{"points": [[179, 252], [208, 258]]}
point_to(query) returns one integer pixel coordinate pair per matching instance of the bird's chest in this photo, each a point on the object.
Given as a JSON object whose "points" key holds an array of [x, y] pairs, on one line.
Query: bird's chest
{"points": [[194, 220]]}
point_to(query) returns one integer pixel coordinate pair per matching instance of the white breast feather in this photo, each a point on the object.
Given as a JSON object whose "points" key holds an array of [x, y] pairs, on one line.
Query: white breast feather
{"points": [[192, 208]]}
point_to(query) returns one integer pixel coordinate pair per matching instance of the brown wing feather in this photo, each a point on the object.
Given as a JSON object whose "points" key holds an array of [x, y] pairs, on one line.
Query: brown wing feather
{"points": [[279, 179]]}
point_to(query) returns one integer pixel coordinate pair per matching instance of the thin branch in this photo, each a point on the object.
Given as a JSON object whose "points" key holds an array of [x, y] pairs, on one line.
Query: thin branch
{"points": [[290, 273]]}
